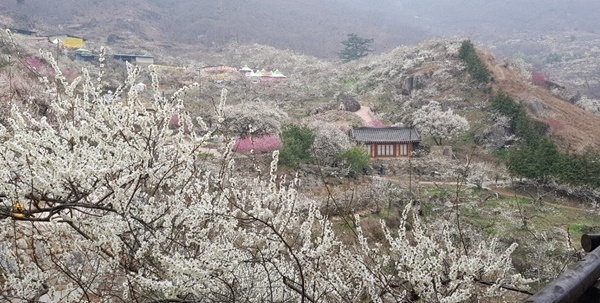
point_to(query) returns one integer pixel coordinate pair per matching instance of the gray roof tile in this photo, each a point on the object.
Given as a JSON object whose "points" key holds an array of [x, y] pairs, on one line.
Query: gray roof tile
{"points": [[384, 134]]}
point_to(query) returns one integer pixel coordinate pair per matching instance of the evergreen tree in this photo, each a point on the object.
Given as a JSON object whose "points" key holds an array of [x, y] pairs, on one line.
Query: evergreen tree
{"points": [[534, 160], [355, 47], [296, 141], [475, 66], [356, 159]]}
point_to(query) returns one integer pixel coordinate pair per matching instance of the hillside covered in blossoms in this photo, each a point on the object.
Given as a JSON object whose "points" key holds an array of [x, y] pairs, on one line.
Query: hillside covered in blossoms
{"points": [[432, 172]]}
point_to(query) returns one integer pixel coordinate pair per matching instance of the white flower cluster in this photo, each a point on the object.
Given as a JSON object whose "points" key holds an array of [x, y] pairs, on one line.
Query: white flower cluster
{"points": [[330, 140], [522, 67], [440, 124], [482, 173], [109, 204], [590, 105], [265, 118]]}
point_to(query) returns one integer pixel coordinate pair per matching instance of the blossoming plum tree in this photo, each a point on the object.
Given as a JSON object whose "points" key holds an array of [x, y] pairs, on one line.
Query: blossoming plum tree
{"points": [[254, 118], [107, 204], [329, 142], [440, 124]]}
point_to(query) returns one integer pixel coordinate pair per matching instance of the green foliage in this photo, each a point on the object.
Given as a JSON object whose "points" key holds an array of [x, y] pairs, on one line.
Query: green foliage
{"points": [[540, 160], [501, 154], [296, 141], [439, 191], [468, 138], [506, 106], [475, 66], [349, 80], [355, 47], [576, 227], [534, 160], [490, 230], [579, 169], [356, 159], [521, 124], [427, 210], [536, 156]]}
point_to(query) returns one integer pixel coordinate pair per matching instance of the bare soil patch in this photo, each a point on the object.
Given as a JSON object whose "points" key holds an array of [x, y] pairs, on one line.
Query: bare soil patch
{"points": [[366, 115], [572, 128]]}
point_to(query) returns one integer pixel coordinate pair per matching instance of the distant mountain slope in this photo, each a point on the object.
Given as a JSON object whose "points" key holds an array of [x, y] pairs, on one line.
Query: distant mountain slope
{"points": [[573, 128], [312, 26]]}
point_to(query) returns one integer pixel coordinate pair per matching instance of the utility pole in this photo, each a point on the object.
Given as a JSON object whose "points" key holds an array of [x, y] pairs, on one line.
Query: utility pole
{"points": [[10, 83], [57, 41]]}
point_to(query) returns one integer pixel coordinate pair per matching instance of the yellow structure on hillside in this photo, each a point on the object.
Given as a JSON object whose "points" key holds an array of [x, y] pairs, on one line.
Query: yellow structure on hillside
{"points": [[219, 73], [68, 41]]}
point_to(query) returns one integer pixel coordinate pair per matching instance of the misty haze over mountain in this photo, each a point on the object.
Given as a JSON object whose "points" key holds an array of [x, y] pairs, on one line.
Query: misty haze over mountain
{"points": [[314, 27]]}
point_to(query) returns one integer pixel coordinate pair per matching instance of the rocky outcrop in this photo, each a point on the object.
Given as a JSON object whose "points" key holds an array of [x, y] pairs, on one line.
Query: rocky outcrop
{"points": [[498, 135], [567, 94], [537, 106], [412, 83], [348, 102]]}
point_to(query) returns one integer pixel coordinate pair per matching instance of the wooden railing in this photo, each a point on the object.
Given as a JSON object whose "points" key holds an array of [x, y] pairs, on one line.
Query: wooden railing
{"points": [[579, 284]]}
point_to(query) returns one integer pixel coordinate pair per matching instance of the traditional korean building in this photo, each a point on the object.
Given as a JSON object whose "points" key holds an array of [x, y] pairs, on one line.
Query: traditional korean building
{"points": [[386, 142], [265, 75], [254, 76]]}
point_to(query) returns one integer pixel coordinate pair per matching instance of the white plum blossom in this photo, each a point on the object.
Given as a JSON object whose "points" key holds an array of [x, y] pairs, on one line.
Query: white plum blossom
{"points": [[588, 104], [330, 140], [440, 124], [254, 118], [108, 204], [482, 173]]}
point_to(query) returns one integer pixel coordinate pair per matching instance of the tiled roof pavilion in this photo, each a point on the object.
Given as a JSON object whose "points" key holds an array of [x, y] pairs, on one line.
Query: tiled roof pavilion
{"points": [[384, 134]]}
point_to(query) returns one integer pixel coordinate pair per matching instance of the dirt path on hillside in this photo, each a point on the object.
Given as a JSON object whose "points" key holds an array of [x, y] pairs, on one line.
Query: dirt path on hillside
{"points": [[366, 115]]}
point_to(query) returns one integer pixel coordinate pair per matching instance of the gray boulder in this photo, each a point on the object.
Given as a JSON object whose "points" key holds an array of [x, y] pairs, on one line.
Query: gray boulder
{"points": [[498, 136], [348, 102], [412, 83]]}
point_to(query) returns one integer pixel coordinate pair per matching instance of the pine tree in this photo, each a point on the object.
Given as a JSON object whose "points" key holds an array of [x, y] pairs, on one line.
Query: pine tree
{"points": [[296, 141], [355, 47]]}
